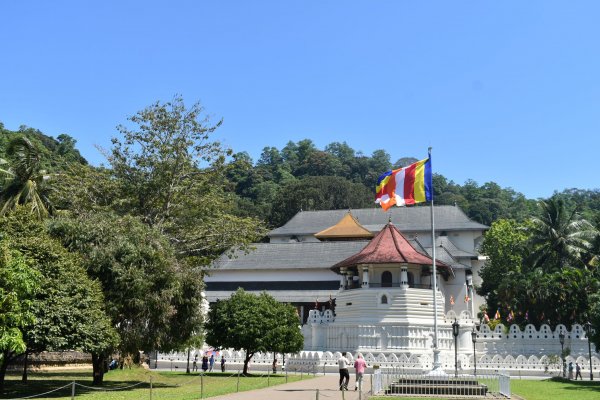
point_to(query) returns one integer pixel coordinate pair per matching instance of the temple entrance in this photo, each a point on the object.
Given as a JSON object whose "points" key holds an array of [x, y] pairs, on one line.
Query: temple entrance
{"points": [[386, 279]]}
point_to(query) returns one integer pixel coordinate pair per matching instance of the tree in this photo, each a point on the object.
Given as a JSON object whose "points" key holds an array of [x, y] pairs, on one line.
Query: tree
{"points": [[172, 177], [404, 162], [18, 286], [82, 189], [24, 182], [254, 323], [319, 193], [151, 297], [505, 245], [560, 237], [68, 307]]}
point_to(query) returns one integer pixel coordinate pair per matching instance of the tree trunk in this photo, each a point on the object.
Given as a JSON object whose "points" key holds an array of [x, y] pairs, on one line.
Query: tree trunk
{"points": [[98, 361], [7, 357], [246, 361], [187, 369], [24, 377]]}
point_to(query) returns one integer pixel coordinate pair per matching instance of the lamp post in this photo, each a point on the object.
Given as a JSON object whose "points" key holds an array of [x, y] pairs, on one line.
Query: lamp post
{"points": [[561, 337], [455, 328], [474, 339], [589, 331]]}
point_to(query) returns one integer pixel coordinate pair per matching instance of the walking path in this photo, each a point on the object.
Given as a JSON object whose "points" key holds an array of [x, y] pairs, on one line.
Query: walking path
{"points": [[303, 390]]}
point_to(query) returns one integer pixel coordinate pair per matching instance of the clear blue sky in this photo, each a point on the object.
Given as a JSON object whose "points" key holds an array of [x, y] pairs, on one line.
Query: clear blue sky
{"points": [[504, 91]]}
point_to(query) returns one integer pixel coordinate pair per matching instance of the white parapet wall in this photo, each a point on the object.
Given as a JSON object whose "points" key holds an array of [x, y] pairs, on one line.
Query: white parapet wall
{"points": [[528, 351]]}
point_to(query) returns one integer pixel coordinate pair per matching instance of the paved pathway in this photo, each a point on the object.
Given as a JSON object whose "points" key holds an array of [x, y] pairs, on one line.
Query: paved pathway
{"points": [[303, 390]]}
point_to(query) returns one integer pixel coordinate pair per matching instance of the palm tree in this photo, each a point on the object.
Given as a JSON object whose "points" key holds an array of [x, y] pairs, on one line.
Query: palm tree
{"points": [[24, 182], [560, 237]]}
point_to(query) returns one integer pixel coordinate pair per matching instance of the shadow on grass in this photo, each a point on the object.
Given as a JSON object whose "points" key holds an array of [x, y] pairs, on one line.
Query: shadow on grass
{"points": [[588, 386]]}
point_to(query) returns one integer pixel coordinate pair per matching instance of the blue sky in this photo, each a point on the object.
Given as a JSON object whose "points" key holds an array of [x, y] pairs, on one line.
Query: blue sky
{"points": [[504, 91]]}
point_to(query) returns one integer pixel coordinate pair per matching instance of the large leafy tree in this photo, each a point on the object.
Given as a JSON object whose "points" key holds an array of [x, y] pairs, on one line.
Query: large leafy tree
{"points": [[24, 182], [505, 245], [172, 177], [68, 307], [254, 323], [18, 286], [151, 297]]}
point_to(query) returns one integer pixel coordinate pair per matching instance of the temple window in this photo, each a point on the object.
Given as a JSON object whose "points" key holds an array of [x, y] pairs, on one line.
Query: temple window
{"points": [[386, 279]]}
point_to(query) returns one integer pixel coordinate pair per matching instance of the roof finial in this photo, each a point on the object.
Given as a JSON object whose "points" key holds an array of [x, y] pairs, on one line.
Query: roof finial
{"points": [[390, 217]]}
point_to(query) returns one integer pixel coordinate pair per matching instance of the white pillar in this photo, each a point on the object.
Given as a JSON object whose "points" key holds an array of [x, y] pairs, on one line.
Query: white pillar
{"points": [[342, 278], [365, 282]]}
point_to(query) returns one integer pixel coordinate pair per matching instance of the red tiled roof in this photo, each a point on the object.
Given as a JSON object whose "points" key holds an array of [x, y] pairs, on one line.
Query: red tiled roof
{"points": [[388, 247]]}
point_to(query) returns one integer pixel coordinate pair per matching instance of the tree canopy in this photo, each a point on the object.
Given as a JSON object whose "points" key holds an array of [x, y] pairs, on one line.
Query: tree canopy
{"points": [[540, 269], [253, 323], [68, 307]]}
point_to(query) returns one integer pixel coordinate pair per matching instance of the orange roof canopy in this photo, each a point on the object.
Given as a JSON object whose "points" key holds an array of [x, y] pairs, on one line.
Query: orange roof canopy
{"points": [[347, 228]]}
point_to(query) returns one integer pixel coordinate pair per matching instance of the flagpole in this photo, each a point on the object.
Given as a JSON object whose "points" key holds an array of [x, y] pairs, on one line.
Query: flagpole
{"points": [[437, 365]]}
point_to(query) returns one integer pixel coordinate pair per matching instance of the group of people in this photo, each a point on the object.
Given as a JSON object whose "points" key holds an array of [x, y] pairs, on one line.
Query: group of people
{"points": [[208, 363], [577, 371], [359, 367]]}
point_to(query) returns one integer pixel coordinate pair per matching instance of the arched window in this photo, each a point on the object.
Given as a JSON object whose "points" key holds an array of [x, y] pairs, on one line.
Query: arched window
{"points": [[384, 299], [386, 279]]}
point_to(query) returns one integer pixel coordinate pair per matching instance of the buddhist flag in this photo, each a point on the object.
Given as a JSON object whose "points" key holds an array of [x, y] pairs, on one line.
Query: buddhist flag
{"points": [[497, 316], [405, 186]]}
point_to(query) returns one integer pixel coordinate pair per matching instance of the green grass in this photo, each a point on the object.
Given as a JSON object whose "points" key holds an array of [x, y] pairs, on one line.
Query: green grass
{"points": [[555, 389], [165, 385]]}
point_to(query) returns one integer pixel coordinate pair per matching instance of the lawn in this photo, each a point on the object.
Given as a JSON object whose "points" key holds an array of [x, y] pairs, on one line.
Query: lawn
{"points": [[135, 384], [555, 389]]}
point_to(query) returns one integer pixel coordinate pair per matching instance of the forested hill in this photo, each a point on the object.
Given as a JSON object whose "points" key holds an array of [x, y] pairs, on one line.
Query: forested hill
{"points": [[56, 153], [302, 177]]}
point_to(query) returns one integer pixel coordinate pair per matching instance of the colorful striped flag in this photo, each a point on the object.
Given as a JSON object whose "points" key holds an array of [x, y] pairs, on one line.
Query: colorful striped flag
{"points": [[405, 186], [510, 317]]}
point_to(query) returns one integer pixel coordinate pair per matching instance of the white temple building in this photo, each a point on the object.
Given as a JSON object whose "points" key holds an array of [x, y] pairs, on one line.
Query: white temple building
{"points": [[362, 282]]}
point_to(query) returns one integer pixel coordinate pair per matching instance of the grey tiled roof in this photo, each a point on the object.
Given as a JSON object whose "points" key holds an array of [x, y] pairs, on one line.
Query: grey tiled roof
{"points": [[447, 244], [443, 252], [406, 219], [291, 255], [302, 255]]}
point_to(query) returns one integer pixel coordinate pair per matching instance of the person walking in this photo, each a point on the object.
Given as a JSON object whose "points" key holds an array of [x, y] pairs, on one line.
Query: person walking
{"points": [[275, 366], [571, 370], [211, 362], [359, 366], [578, 371], [223, 363], [344, 375], [195, 364], [204, 363]]}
